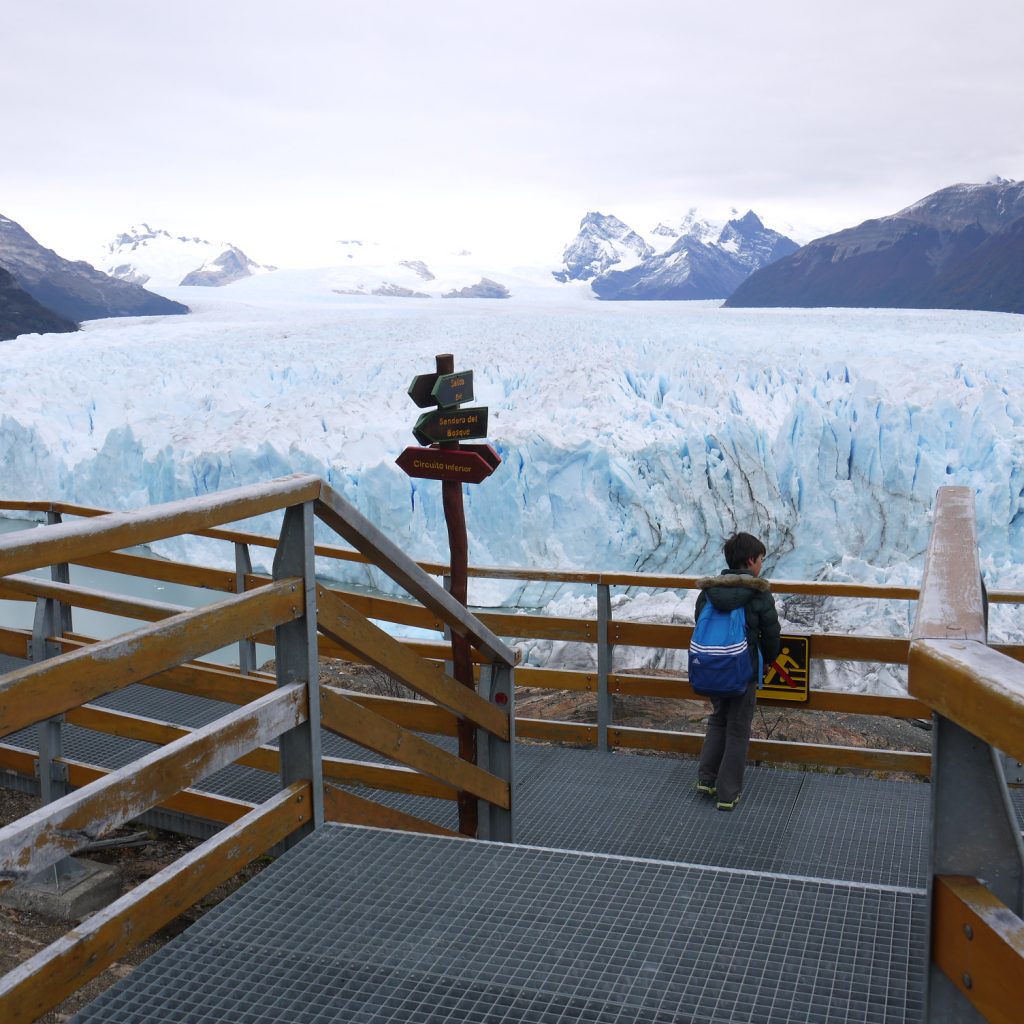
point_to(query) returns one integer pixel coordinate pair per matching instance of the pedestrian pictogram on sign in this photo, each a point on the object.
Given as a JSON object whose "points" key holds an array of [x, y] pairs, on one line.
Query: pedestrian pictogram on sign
{"points": [[788, 676]]}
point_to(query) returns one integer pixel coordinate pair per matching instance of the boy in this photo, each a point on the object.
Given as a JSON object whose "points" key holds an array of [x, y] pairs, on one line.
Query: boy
{"points": [[724, 754]]}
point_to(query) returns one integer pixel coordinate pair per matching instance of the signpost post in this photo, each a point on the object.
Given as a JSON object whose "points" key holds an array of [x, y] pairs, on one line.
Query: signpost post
{"points": [[453, 464]]}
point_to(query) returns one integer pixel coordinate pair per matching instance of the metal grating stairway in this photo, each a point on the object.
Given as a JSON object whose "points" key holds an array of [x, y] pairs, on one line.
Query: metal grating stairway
{"points": [[630, 898], [358, 924]]}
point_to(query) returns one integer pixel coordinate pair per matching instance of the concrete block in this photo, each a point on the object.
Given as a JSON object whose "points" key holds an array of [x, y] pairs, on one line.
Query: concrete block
{"points": [[68, 891]]}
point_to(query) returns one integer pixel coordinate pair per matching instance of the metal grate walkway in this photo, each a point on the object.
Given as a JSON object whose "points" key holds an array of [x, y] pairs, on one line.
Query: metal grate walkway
{"points": [[630, 899], [792, 822], [360, 925]]}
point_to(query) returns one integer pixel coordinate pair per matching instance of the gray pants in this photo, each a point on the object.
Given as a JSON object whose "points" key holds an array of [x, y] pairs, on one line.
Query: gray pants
{"points": [[724, 754]]}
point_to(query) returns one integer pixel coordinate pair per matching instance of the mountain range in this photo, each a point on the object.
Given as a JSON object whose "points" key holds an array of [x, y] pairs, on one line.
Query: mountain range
{"points": [[699, 259], [153, 256], [961, 247], [75, 291]]}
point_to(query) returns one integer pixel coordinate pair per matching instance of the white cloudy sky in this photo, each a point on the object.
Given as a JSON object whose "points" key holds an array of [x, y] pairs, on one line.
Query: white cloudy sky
{"points": [[493, 124]]}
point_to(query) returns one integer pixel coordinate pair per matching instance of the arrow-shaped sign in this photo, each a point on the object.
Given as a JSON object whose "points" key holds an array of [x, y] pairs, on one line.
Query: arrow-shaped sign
{"points": [[445, 464], [486, 452], [453, 388], [421, 388], [451, 425]]}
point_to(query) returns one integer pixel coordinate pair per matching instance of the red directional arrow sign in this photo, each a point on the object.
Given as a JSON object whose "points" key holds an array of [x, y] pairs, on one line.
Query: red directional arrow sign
{"points": [[485, 451], [445, 464]]}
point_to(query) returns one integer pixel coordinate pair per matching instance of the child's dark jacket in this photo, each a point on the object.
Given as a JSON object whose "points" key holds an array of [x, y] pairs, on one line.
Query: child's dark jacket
{"points": [[753, 594]]}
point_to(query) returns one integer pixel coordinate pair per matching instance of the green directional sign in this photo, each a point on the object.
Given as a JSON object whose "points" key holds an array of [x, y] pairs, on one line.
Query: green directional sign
{"points": [[451, 425], [453, 388], [421, 387]]}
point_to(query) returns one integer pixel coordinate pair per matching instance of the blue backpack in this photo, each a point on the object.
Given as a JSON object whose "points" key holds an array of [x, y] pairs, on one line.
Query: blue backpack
{"points": [[719, 663]]}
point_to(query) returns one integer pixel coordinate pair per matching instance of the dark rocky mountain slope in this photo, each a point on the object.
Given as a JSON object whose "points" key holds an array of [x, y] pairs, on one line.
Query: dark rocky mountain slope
{"points": [[73, 289], [959, 248], [21, 314]]}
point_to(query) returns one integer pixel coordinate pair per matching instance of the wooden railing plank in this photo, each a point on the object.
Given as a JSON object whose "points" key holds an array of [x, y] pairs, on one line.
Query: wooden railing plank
{"points": [[59, 828], [978, 943], [344, 716], [418, 715], [342, 623], [68, 542], [147, 567], [340, 805], [40, 983], [544, 627], [557, 678], [389, 609], [152, 730], [94, 600], [189, 801], [951, 604], [777, 750], [553, 731], [51, 687], [393, 777], [974, 686], [194, 803], [364, 536]]}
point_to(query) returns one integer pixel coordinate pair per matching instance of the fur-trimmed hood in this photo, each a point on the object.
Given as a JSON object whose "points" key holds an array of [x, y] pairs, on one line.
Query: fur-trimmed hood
{"points": [[737, 579]]}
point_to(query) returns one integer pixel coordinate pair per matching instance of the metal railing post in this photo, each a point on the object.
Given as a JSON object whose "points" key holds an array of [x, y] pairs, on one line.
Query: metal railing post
{"points": [[604, 664], [52, 619], [297, 660], [449, 665], [53, 776], [246, 646], [497, 685]]}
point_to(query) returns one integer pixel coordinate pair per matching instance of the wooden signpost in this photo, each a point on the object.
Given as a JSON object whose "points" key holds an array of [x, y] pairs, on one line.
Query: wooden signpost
{"points": [[446, 424]]}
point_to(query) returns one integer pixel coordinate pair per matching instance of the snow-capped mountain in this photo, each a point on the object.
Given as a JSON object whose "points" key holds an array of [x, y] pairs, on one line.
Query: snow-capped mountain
{"points": [[959, 248], [699, 259], [603, 242], [74, 290], [392, 270], [155, 257]]}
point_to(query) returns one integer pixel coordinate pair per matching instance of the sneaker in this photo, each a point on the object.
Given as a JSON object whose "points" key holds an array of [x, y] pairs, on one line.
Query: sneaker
{"points": [[728, 805], [706, 787]]}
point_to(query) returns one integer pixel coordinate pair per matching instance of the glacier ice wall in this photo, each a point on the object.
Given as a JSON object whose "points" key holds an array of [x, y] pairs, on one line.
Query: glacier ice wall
{"points": [[634, 437]]}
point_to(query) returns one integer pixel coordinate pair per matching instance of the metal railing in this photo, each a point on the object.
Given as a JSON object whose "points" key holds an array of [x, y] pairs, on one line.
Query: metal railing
{"points": [[65, 675]]}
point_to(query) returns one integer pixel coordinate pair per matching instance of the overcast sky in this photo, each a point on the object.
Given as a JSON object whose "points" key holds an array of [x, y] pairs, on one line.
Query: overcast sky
{"points": [[494, 125]]}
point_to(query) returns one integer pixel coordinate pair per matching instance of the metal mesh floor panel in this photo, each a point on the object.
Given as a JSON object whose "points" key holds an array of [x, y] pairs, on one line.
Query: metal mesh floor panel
{"points": [[873, 830], [826, 826], [362, 925]]}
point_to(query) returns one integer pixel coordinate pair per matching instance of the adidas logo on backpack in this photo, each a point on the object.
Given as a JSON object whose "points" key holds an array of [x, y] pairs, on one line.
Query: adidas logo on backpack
{"points": [[719, 663]]}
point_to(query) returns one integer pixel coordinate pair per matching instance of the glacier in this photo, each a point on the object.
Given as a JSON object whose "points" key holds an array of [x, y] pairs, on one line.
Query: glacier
{"points": [[633, 436]]}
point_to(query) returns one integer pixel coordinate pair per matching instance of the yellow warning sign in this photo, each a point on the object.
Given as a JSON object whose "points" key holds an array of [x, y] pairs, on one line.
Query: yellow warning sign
{"points": [[788, 677]]}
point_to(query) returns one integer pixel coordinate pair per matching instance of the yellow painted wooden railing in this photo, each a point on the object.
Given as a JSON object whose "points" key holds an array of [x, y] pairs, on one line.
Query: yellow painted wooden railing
{"points": [[66, 673], [603, 632], [977, 859]]}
